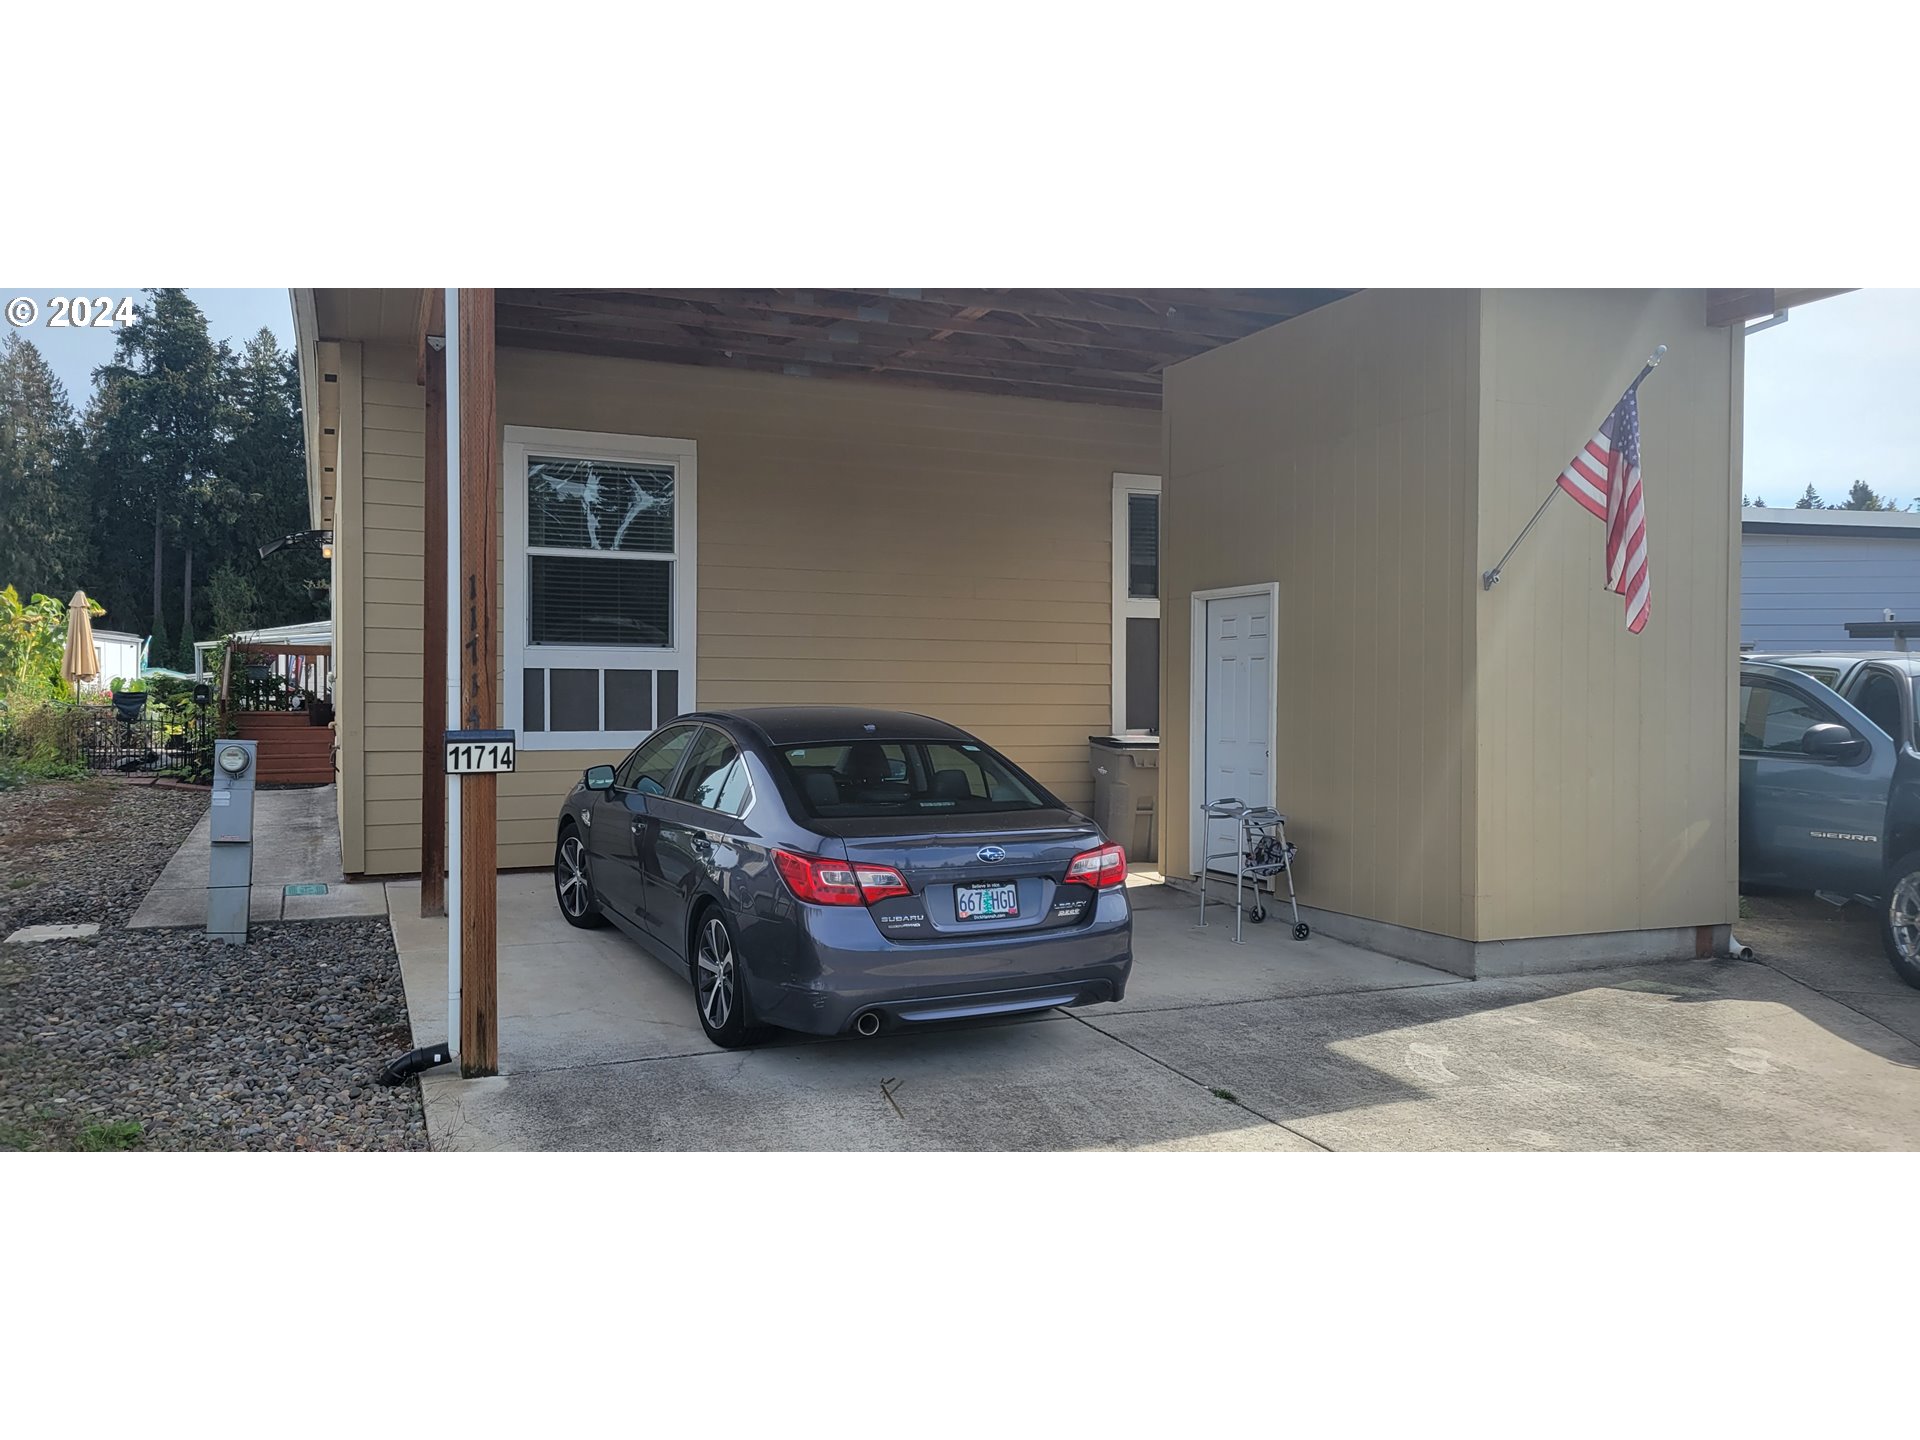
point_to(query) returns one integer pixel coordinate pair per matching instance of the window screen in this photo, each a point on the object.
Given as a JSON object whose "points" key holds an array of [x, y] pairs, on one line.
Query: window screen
{"points": [[1143, 675], [600, 536], [1143, 547]]}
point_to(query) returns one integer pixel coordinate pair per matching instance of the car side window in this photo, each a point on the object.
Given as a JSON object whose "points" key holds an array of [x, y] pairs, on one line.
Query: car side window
{"points": [[1773, 718], [1879, 700], [651, 765], [716, 776]]}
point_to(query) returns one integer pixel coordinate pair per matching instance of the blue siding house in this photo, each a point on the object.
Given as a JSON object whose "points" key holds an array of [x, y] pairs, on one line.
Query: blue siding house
{"points": [[1804, 574]]}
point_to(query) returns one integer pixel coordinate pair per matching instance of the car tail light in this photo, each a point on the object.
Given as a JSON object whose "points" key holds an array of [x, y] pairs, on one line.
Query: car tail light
{"points": [[1100, 868], [878, 882], [835, 882]]}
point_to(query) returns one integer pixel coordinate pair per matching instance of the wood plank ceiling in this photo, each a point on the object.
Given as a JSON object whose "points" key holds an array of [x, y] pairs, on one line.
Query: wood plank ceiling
{"points": [[1104, 347]]}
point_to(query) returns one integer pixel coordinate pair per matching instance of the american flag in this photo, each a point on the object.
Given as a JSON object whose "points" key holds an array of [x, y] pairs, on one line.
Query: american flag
{"points": [[1605, 478]]}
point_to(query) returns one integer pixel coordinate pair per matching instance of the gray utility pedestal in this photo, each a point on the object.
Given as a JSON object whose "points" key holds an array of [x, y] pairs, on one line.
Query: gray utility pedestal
{"points": [[230, 836], [1126, 790]]}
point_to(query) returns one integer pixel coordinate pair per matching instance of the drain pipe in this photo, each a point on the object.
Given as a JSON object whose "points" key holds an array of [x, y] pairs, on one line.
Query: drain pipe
{"points": [[398, 1072], [1737, 951], [452, 712]]}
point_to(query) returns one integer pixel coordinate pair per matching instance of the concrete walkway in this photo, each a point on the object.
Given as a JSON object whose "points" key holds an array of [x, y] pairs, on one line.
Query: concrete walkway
{"points": [[296, 868], [1270, 1045]]}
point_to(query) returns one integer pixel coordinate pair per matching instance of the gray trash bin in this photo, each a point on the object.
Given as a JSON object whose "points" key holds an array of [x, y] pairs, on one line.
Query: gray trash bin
{"points": [[1126, 786]]}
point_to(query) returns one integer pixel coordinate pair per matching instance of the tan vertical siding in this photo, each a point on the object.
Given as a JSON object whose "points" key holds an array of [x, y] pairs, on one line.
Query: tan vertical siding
{"points": [[1335, 455], [1607, 787]]}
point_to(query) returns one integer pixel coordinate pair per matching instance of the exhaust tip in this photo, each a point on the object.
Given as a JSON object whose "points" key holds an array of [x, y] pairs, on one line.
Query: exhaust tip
{"points": [[868, 1023]]}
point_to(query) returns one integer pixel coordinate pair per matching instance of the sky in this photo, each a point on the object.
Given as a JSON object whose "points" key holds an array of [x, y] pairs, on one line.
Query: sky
{"points": [[1829, 393], [1830, 399], [231, 315]]}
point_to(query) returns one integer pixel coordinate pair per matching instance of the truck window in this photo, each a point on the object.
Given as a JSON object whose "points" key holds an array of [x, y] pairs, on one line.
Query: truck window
{"points": [[1878, 698], [1773, 718]]}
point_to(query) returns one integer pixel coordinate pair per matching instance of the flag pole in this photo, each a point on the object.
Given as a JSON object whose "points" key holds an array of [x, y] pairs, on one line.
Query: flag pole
{"points": [[1491, 578]]}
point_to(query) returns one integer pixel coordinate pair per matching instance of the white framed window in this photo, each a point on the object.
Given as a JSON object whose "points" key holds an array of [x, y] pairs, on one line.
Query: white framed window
{"points": [[600, 586], [1136, 604]]}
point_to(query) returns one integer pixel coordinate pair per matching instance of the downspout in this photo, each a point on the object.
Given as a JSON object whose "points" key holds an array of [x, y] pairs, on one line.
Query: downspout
{"points": [[451, 713]]}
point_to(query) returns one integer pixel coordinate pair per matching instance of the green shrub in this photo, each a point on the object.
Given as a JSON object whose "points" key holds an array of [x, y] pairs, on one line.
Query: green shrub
{"points": [[111, 1135]]}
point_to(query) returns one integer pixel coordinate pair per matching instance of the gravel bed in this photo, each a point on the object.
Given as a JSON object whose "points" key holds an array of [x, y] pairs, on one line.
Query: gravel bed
{"points": [[200, 1045]]}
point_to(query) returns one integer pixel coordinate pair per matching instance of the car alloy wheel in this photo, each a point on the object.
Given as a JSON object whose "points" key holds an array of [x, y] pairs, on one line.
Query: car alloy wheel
{"points": [[720, 985], [1903, 918], [718, 999], [1903, 927], [573, 884]]}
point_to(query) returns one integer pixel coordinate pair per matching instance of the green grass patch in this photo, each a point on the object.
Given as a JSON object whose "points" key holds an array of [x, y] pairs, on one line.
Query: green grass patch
{"points": [[1220, 1094], [111, 1135]]}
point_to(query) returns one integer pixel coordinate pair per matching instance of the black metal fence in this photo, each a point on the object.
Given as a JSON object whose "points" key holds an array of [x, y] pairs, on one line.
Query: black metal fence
{"points": [[176, 739]]}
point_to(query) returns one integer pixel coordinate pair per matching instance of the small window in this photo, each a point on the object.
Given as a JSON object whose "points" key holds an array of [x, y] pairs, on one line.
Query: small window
{"points": [[599, 552], [648, 769], [716, 776], [1143, 546], [1136, 604]]}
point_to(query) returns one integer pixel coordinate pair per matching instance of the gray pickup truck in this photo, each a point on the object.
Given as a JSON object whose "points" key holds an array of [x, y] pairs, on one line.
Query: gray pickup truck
{"points": [[1830, 785]]}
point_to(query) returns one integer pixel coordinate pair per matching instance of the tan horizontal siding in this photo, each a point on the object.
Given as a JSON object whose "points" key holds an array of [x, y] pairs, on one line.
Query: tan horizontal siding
{"points": [[387, 609], [943, 553]]}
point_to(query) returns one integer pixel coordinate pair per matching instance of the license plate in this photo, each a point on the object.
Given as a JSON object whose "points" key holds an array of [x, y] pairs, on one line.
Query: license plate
{"points": [[986, 902]]}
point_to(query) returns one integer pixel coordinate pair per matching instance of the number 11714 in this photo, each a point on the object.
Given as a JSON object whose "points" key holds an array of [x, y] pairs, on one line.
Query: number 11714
{"points": [[489, 757]]}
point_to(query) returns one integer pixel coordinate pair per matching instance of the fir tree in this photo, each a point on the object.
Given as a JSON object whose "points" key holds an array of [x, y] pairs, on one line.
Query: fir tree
{"points": [[157, 440], [1862, 497], [43, 502]]}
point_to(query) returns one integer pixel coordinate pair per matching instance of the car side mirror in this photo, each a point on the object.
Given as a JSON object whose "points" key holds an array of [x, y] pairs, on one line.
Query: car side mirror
{"points": [[1833, 742], [600, 777]]}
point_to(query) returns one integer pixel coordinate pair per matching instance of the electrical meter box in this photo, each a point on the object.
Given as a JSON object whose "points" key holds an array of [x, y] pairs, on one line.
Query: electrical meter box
{"points": [[230, 829]]}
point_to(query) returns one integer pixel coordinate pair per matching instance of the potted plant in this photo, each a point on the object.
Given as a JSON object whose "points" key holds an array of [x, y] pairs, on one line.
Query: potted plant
{"points": [[319, 712], [129, 699]]}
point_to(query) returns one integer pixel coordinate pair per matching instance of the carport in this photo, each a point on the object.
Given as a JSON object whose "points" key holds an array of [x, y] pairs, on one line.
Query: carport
{"points": [[1334, 469]]}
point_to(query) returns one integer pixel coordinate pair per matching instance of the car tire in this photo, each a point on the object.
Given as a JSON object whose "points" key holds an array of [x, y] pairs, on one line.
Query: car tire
{"points": [[719, 989], [573, 882], [1900, 918]]}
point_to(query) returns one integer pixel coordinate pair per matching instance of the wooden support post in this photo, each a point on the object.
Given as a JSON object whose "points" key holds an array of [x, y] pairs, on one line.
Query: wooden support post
{"points": [[433, 651], [479, 697]]}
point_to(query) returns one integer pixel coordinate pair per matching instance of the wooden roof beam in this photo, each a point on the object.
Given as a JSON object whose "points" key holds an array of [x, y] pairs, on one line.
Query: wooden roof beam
{"points": [[1131, 392], [876, 342]]}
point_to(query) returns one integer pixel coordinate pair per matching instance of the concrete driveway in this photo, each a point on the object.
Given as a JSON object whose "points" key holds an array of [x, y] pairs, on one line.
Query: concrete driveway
{"points": [[1273, 1045]]}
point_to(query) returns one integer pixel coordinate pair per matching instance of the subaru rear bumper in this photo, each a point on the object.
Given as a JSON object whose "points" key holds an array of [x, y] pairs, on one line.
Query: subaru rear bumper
{"points": [[847, 969]]}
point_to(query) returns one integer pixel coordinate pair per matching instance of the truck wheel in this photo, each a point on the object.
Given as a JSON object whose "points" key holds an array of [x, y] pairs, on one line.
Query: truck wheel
{"points": [[1900, 918]]}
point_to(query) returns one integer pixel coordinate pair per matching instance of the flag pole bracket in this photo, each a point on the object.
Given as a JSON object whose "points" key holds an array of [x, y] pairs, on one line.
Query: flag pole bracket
{"points": [[1491, 578]]}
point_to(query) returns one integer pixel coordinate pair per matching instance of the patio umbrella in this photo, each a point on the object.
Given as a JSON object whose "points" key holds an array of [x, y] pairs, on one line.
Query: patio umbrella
{"points": [[80, 661]]}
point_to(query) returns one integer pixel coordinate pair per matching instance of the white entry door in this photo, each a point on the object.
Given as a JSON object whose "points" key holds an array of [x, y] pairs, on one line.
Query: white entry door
{"points": [[1239, 658]]}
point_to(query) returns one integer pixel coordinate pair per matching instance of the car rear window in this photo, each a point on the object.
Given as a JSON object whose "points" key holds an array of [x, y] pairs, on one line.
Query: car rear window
{"points": [[868, 779]]}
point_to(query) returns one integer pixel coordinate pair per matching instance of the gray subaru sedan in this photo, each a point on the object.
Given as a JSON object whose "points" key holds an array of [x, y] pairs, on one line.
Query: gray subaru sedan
{"points": [[840, 871]]}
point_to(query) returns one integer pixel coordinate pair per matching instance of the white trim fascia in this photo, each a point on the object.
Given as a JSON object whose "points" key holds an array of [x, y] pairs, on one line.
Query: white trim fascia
{"points": [[1125, 484], [306, 346], [520, 441], [1197, 705]]}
